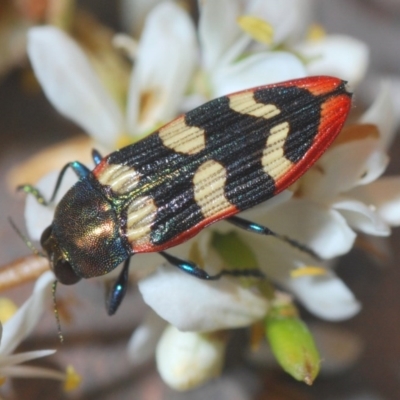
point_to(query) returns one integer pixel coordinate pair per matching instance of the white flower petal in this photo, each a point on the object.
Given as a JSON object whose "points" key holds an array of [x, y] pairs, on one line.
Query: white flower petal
{"points": [[256, 70], [24, 320], [322, 229], [326, 296], [373, 84], [20, 358], [361, 217], [142, 344], [133, 13], [344, 167], [71, 85], [222, 40], [37, 216], [192, 304], [382, 114], [384, 195], [186, 360], [268, 206], [289, 18], [219, 31], [336, 55], [165, 62], [28, 371]]}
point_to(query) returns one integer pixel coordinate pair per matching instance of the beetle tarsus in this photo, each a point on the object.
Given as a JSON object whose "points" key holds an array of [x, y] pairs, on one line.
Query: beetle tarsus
{"points": [[80, 170], [32, 190]]}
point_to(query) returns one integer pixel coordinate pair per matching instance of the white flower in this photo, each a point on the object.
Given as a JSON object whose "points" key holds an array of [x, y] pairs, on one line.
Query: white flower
{"points": [[223, 43], [333, 201], [18, 327], [324, 210], [164, 63], [186, 360], [133, 13], [190, 304], [336, 55], [220, 47], [208, 306]]}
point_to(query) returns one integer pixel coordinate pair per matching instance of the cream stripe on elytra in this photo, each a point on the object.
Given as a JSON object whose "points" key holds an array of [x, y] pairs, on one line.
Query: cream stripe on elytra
{"points": [[140, 217], [209, 183], [274, 162], [244, 103], [182, 138], [121, 178]]}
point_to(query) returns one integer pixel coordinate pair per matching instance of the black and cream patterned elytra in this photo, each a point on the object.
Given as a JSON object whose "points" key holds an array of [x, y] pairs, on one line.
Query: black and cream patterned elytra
{"points": [[221, 158]]}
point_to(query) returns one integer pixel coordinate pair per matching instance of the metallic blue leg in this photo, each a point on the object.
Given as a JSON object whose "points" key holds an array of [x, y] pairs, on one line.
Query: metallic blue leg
{"points": [[96, 157], [118, 290], [263, 230], [80, 170], [194, 270]]}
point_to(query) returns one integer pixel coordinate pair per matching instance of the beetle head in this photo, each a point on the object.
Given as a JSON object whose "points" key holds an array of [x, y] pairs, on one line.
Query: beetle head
{"points": [[58, 261]]}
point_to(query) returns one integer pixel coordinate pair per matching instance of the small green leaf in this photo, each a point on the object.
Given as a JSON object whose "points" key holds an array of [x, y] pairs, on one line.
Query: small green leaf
{"points": [[235, 253], [292, 344]]}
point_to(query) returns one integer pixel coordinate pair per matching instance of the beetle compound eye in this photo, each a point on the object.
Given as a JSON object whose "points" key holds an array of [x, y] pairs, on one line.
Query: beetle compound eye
{"points": [[45, 235], [64, 273]]}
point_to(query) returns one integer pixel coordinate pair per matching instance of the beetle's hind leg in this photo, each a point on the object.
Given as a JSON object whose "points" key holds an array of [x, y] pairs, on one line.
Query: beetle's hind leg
{"points": [[80, 170], [263, 230], [195, 270]]}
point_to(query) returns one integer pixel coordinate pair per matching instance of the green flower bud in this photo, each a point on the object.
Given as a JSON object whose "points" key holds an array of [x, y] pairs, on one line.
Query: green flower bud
{"points": [[292, 343]]}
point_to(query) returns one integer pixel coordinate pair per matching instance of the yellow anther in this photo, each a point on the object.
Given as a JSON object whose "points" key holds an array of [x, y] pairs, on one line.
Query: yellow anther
{"points": [[260, 30], [2, 380], [72, 379], [7, 309], [307, 271], [316, 32]]}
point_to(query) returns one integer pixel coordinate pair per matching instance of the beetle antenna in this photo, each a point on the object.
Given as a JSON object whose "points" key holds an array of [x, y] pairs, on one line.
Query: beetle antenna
{"points": [[54, 287], [55, 309], [25, 239]]}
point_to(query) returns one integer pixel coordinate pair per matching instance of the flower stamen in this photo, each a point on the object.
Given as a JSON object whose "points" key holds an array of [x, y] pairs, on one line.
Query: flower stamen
{"points": [[308, 270], [260, 30]]}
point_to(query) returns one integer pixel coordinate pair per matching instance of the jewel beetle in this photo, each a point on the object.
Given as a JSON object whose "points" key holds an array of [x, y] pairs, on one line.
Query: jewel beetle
{"points": [[221, 158]]}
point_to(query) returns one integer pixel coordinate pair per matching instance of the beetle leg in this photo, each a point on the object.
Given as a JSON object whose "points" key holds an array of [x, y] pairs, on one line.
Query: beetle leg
{"points": [[118, 290], [96, 156], [34, 192], [193, 269], [80, 170], [263, 230]]}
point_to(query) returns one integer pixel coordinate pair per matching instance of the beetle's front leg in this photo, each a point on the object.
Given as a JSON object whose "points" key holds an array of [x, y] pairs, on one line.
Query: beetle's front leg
{"points": [[80, 170], [118, 290]]}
